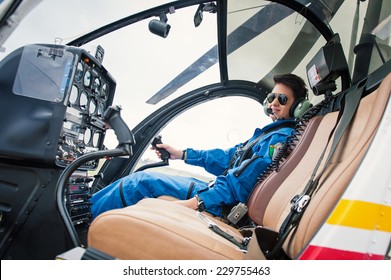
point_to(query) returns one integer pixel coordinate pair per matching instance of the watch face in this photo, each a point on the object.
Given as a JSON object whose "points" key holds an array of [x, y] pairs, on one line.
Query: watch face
{"points": [[201, 204]]}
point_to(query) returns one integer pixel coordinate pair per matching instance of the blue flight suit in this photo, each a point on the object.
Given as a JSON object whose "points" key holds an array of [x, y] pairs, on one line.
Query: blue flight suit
{"points": [[230, 186]]}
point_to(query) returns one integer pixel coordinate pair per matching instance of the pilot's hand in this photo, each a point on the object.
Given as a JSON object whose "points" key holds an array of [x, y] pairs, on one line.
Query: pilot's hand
{"points": [[174, 153], [191, 203]]}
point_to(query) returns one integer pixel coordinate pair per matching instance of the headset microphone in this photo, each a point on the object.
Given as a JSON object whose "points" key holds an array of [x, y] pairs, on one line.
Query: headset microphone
{"points": [[269, 111]]}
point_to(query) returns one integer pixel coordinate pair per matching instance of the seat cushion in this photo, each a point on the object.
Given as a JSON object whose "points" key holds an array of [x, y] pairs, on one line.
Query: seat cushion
{"points": [[160, 229]]}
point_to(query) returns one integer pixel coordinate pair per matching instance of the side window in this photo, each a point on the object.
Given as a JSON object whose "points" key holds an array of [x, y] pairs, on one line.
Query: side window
{"points": [[220, 123]]}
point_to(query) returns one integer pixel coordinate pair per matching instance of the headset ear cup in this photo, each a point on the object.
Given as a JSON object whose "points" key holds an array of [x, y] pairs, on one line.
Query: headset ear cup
{"points": [[294, 106], [300, 108]]}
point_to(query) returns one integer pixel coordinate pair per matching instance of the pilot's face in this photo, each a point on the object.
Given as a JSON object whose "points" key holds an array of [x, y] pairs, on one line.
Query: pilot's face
{"points": [[280, 101]]}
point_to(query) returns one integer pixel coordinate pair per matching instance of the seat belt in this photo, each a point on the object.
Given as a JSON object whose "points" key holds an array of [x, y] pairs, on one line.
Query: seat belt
{"points": [[299, 202], [242, 152]]}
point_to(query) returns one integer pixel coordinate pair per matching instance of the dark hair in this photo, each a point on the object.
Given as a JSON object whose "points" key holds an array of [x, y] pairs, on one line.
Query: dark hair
{"points": [[294, 82]]}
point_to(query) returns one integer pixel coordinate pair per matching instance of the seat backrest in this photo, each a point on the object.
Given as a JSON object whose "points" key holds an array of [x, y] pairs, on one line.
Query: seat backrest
{"points": [[265, 189], [342, 167]]}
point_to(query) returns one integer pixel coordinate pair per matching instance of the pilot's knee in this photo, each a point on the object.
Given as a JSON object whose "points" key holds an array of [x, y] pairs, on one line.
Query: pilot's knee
{"points": [[139, 180], [140, 177]]}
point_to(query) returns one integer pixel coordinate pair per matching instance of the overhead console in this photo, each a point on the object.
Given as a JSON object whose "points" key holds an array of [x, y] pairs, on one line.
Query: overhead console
{"points": [[52, 99], [326, 66]]}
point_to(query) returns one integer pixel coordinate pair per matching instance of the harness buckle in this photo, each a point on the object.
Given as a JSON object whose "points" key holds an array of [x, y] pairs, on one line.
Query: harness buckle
{"points": [[300, 202]]}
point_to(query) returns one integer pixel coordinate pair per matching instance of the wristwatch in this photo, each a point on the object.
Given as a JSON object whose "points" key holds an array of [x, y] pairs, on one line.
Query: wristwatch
{"points": [[200, 203]]}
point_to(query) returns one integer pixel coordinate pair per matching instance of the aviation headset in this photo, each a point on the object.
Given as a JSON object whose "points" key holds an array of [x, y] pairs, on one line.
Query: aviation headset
{"points": [[297, 109]]}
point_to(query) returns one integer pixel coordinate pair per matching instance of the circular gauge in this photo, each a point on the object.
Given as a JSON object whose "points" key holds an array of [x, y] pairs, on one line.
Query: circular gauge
{"points": [[95, 140], [74, 95], [96, 85], [101, 108], [87, 78], [79, 72], [83, 101], [92, 106], [87, 136], [105, 91]]}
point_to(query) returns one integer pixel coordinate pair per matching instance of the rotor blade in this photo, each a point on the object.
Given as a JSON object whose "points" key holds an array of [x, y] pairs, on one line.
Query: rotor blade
{"points": [[294, 54], [262, 20], [300, 47]]}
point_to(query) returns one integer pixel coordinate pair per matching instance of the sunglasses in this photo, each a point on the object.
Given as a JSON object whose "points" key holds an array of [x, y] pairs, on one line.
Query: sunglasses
{"points": [[282, 98]]}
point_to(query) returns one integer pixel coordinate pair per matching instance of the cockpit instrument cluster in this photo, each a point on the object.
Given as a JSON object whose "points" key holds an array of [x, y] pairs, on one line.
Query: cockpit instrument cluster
{"points": [[90, 93], [56, 96]]}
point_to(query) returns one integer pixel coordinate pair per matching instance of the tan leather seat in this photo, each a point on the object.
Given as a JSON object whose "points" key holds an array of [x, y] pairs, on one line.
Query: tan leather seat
{"points": [[158, 229]]}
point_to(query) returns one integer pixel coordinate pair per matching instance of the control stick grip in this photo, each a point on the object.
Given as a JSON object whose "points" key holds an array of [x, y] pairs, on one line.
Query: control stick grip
{"points": [[165, 154], [113, 117]]}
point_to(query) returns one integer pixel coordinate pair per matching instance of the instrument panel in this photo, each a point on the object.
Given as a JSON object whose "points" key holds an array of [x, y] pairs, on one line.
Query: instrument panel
{"points": [[91, 92], [55, 96]]}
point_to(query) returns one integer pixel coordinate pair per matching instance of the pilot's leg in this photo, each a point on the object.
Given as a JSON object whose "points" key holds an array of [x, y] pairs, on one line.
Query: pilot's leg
{"points": [[140, 185]]}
